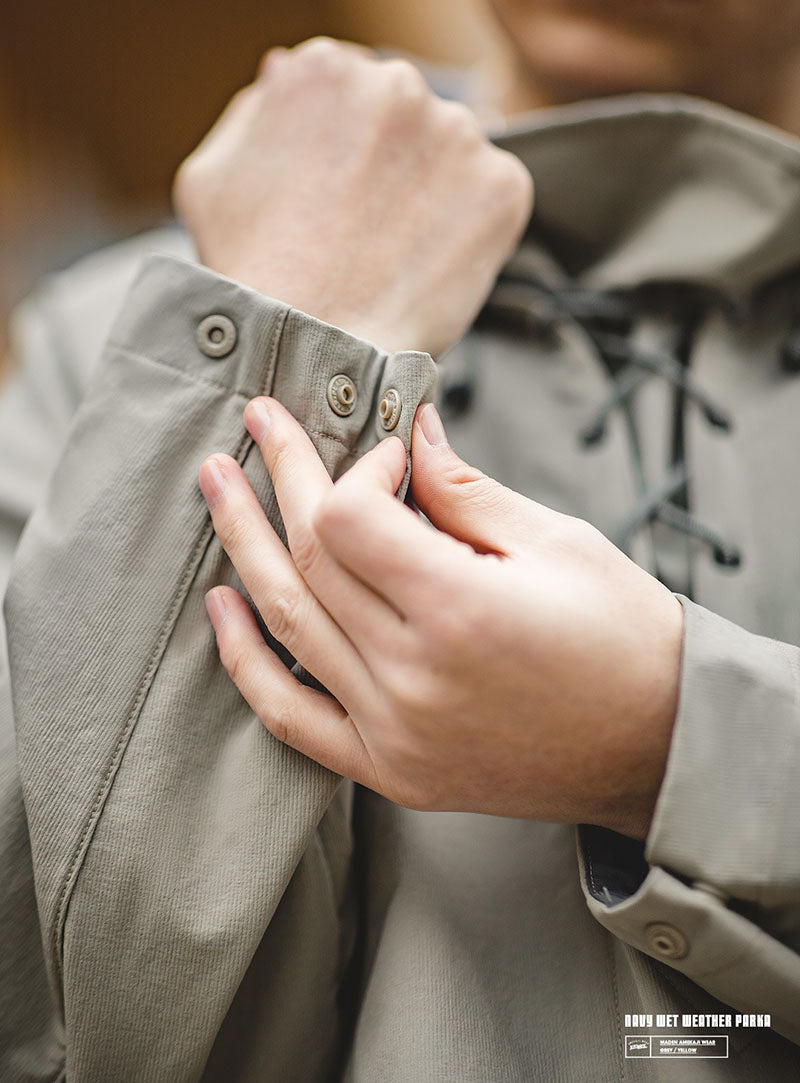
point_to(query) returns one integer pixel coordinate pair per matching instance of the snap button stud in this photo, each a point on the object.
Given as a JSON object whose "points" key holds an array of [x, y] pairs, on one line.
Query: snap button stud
{"points": [[342, 395], [216, 336], [666, 940], [389, 409]]}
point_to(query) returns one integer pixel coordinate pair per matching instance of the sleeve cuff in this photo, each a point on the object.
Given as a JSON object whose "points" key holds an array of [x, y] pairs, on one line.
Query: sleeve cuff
{"points": [[191, 319], [723, 845], [728, 812]]}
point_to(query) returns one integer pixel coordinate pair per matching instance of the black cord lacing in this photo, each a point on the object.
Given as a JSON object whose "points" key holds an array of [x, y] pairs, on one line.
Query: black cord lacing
{"points": [[608, 319], [637, 367]]}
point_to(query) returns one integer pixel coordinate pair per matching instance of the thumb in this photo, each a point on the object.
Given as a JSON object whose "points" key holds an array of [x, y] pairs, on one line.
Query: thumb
{"points": [[459, 499]]}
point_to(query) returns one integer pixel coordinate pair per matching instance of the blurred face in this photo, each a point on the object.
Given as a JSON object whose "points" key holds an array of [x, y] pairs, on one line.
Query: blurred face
{"points": [[727, 50]]}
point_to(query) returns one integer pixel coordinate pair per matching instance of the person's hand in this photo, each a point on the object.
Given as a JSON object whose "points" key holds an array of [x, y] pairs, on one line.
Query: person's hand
{"points": [[340, 184], [511, 661]]}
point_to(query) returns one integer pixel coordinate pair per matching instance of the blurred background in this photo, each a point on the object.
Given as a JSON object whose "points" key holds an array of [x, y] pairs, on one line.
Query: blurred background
{"points": [[100, 100]]}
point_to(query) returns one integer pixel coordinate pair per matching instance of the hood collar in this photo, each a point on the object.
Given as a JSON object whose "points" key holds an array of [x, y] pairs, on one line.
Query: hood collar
{"points": [[660, 188]]}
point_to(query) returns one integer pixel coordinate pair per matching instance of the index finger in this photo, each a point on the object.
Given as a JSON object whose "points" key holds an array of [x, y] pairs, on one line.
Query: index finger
{"points": [[302, 485], [381, 541], [298, 474]]}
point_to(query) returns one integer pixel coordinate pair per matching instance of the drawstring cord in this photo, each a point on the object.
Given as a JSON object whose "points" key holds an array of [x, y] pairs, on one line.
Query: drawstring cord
{"points": [[608, 319], [637, 367], [656, 503]]}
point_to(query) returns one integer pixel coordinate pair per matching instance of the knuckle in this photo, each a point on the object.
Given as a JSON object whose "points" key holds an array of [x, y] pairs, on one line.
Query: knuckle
{"points": [[413, 690], [280, 460], [404, 83], [325, 54], [489, 494], [233, 531], [269, 60], [570, 535], [414, 700], [183, 184], [306, 551], [514, 182], [465, 476], [460, 119], [492, 496], [333, 514], [399, 683], [582, 533], [281, 723], [248, 95], [199, 173], [404, 73], [181, 178], [476, 489], [320, 45], [283, 613]]}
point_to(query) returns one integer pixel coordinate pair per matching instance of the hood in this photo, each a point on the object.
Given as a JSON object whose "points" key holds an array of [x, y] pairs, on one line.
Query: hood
{"points": [[652, 188]]}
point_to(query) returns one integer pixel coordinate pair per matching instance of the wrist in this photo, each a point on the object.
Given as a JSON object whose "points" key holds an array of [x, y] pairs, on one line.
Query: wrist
{"points": [[638, 758], [313, 298]]}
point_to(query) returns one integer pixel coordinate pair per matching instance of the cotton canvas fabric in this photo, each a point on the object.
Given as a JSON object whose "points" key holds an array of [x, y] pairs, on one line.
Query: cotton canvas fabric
{"points": [[182, 898]]}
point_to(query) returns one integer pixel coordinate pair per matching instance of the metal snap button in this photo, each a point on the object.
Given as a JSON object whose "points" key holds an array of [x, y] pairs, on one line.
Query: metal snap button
{"points": [[216, 336], [342, 395], [666, 940], [390, 408]]}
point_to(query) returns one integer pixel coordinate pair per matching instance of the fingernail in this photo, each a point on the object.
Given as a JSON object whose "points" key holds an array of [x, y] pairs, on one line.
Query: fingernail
{"points": [[216, 607], [212, 481], [256, 419], [431, 425]]}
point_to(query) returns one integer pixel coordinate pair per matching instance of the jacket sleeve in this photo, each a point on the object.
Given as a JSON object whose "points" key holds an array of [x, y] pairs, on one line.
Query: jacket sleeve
{"points": [[172, 839], [39, 394], [718, 897]]}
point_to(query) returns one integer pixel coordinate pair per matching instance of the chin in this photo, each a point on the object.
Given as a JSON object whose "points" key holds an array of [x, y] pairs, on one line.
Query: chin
{"points": [[583, 58], [570, 82]]}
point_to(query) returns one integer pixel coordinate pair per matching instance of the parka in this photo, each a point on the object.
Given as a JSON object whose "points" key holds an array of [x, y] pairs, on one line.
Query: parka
{"points": [[184, 898]]}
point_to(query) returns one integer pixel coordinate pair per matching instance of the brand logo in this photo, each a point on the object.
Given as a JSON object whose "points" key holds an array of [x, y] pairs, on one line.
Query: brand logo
{"points": [[660, 1046]]}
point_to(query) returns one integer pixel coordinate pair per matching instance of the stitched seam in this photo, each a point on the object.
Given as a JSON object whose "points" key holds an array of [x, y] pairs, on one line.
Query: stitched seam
{"points": [[116, 758], [272, 364], [272, 357], [247, 395], [329, 436], [191, 377], [590, 869], [98, 804]]}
